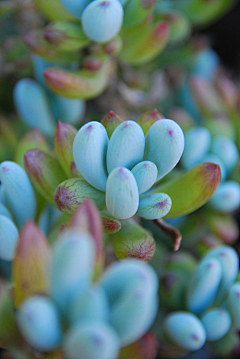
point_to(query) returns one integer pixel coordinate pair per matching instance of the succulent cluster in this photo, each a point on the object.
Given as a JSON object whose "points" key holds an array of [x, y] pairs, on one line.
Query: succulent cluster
{"points": [[83, 207], [202, 301]]}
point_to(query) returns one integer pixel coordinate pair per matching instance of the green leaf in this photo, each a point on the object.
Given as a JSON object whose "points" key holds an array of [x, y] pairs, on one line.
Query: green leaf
{"points": [[192, 189]]}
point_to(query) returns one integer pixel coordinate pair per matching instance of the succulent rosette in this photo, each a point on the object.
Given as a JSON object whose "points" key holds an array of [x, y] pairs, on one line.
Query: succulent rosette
{"points": [[201, 302], [59, 309], [123, 168]]}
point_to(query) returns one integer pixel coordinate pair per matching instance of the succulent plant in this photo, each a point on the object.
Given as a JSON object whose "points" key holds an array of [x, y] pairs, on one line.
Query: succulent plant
{"points": [[65, 311], [203, 310]]}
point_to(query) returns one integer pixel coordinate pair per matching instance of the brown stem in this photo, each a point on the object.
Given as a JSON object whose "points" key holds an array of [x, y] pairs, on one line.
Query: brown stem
{"points": [[170, 231]]}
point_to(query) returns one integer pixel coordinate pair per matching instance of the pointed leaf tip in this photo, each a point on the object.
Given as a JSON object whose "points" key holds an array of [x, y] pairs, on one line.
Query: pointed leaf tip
{"points": [[192, 189], [31, 265]]}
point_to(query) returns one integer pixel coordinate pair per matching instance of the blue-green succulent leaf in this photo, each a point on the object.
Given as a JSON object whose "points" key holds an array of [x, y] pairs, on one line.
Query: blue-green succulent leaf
{"points": [[229, 262], [233, 305], [217, 323], [153, 206], [4, 211], [226, 150], [124, 275], [8, 238], [134, 314], [33, 105], [91, 339], [204, 285], [18, 191], [39, 323], [227, 197], [206, 64], [75, 7], [197, 145], [72, 267], [164, 145], [122, 196], [69, 110], [185, 330], [145, 173], [126, 146], [91, 304], [102, 20], [89, 152]]}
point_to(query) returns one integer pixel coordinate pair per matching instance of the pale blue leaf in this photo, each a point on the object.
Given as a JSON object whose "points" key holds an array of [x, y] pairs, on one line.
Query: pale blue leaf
{"points": [[91, 304], [233, 305], [102, 20], [89, 152], [217, 323], [72, 267], [18, 191], [33, 105], [67, 110], [185, 330], [122, 197], [153, 206], [229, 262], [204, 285], [164, 145], [226, 150], [145, 173], [8, 238], [197, 145], [39, 323], [227, 197], [126, 146], [91, 339]]}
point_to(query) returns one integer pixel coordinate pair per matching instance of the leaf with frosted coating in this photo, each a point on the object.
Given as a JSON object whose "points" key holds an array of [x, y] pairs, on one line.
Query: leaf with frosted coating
{"points": [[39, 322], [8, 238], [185, 330], [217, 323], [70, 194], [122, 196], [31, 265], [126, 146], [233, 305], [72, 266], [89, 152], [33, 105], [192, 189], [164, 145], [69, 110], [204, 285], [18, 191], [227, 197], [229, 262], [133, 241], [197, 145], [153, 206], [145, 173], [102, 20], [91, 304], [45, 172], [226, 150], [91, 339]]}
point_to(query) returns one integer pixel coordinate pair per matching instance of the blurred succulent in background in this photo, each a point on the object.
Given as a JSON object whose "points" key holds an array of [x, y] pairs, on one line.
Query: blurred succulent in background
{"points": [[41, 108], [201, 303], [58, 308]]}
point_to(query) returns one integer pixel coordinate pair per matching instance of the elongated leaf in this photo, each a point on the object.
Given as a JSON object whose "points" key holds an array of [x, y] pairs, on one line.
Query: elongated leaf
{"points": [[44, 171], [192, 189], [31, 265]]}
